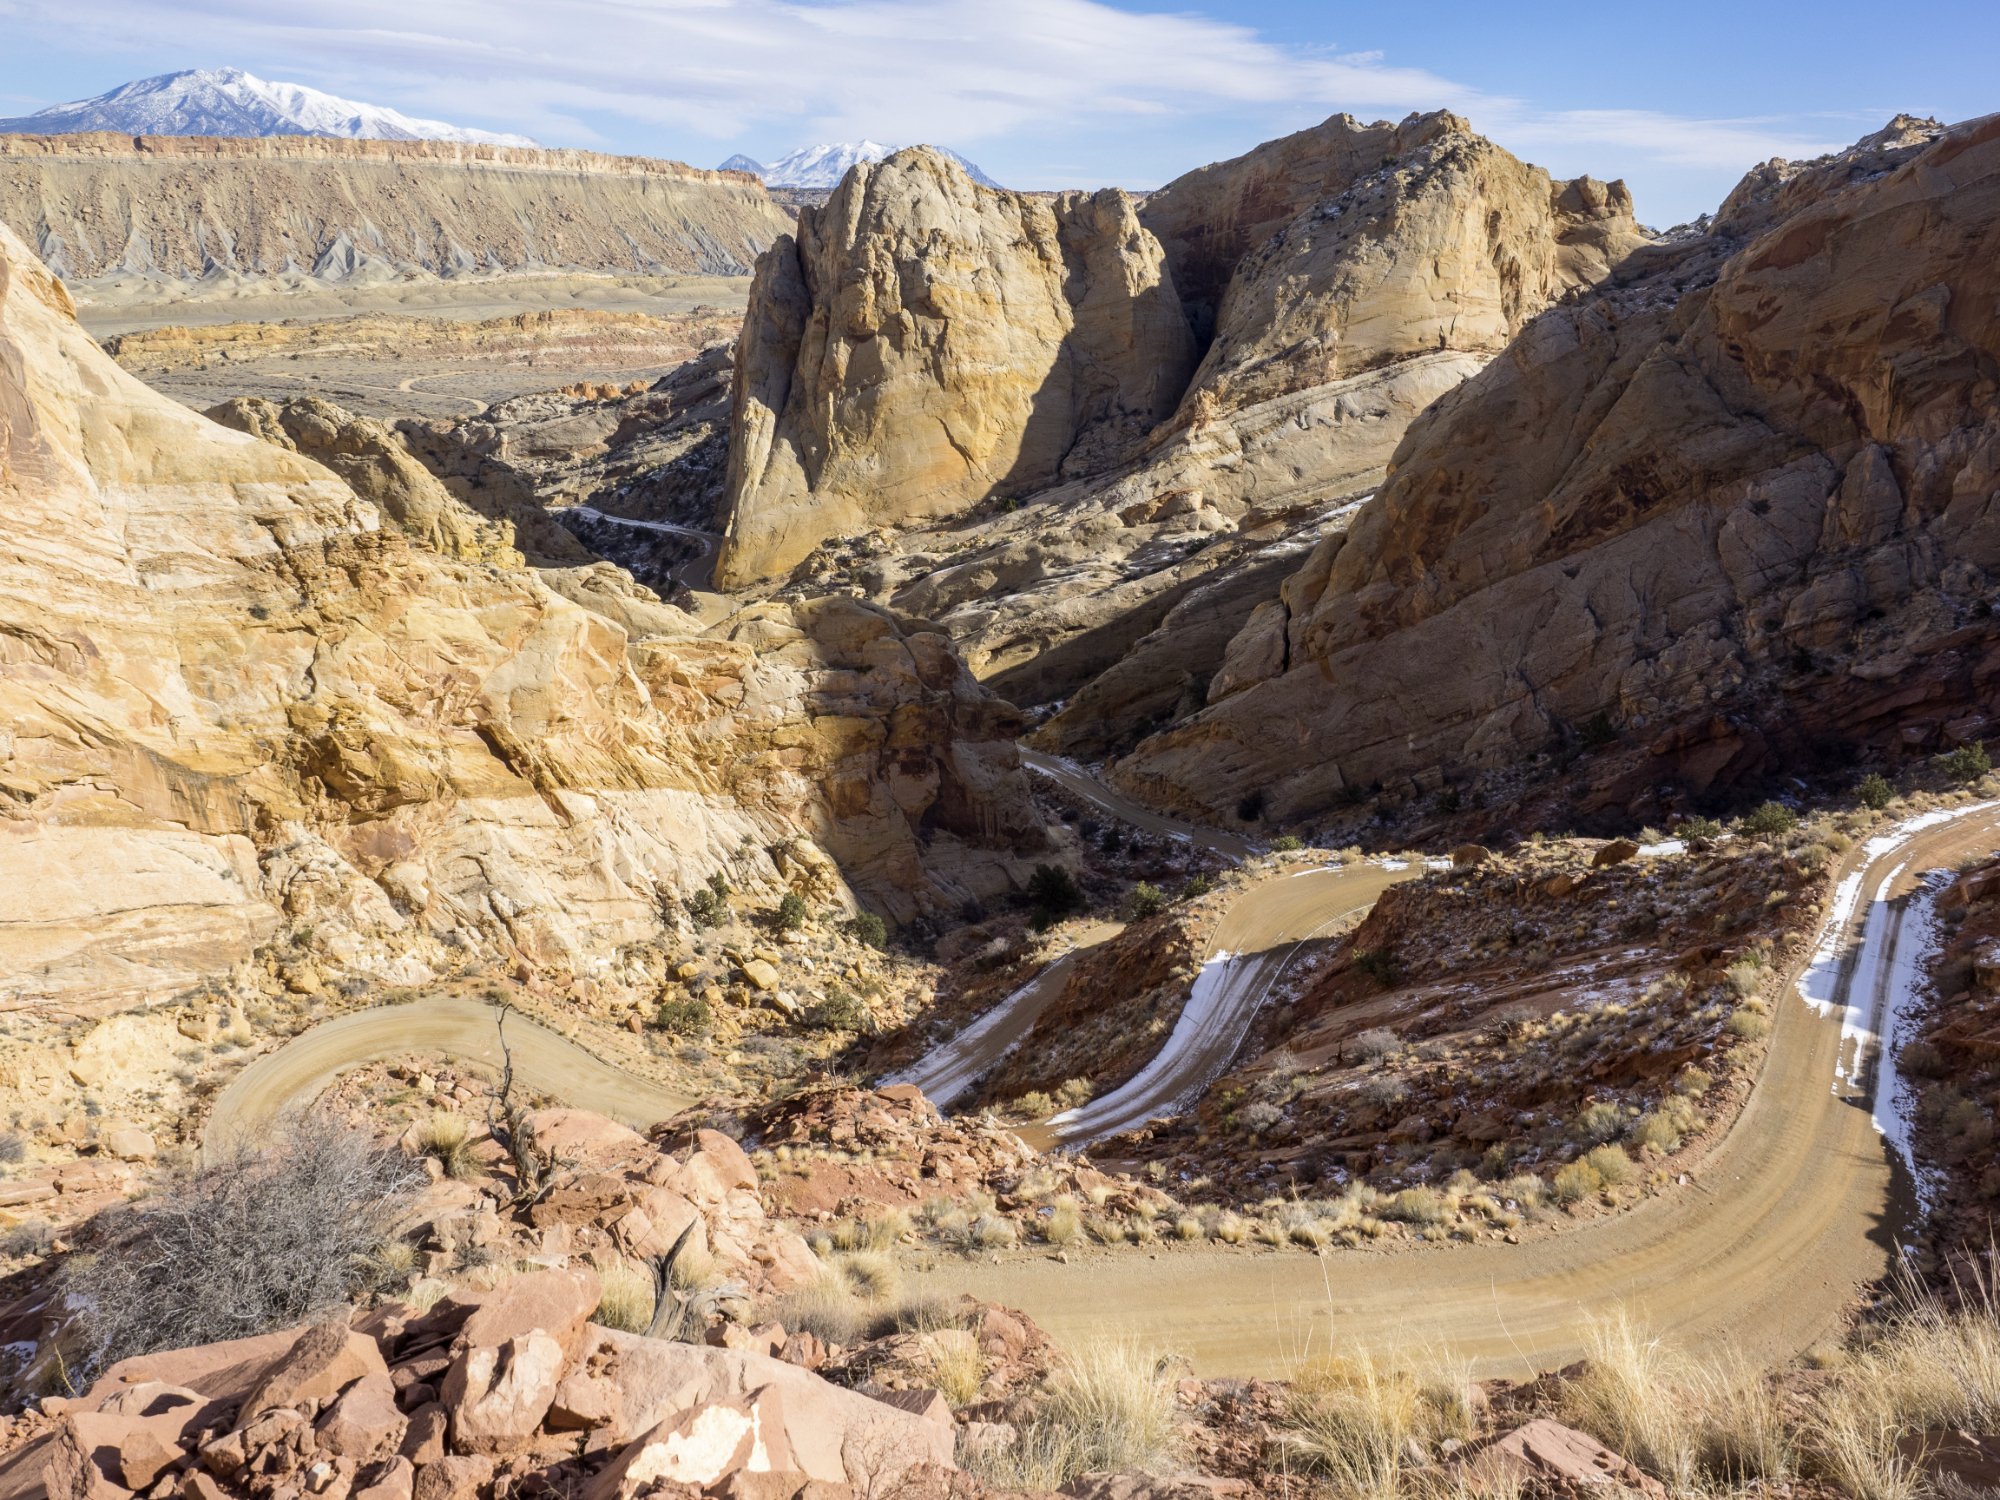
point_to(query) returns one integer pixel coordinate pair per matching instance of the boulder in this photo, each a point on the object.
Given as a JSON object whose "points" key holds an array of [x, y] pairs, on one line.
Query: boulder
{"points": [[556, 1303], [364, 1422], [702, 1446], [128, 1143], [1546, 1457], [580, 1135], [1614, 853], [498, 1394], [323, 1361]]}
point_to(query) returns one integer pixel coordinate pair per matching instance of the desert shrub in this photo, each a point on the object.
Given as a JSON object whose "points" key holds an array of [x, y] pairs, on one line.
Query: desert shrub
{"points": [[1748, 1024], [1146, 900], [1361, 1427], [956, 1369], [1576, 1182], [1875, 791], [872, 1274], [1187, 1227], [1699, 833], [1376, 1043], [791, 913], [447, 1140], [1693, 1082], [1259, 1115], [1288, 843], [881, 1233], [866, 927], [1074, 1093], [261, 1239], [1966, 763], [34, 1237], [1379, 964], [1770, 818], [1611, 1164], [1921, 1059], [684, 1015], [840, 1011], [1195, 887], [709, 905], [1034, 1105], [1053, 894]]}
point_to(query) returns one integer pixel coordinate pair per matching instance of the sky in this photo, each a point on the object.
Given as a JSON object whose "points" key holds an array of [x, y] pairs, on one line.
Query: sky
{"points": [[1679, 100]]}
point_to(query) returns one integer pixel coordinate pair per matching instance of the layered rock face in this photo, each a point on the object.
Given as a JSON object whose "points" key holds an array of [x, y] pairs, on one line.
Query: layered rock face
{"points": [[1335, 283], [233, 699], [1738, 502], [101, 207], [923, 344]]}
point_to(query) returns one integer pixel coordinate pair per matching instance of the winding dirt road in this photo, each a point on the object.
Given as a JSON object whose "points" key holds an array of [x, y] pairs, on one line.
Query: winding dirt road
{"points": [[1078, 782], [1249, 952], [1796, 1210], [543, 1062]]}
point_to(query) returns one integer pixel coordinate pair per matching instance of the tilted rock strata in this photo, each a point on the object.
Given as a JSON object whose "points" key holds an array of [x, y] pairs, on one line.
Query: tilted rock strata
{"points": [[180, 208], [1738, 502], [923, 343], [234, 700]]}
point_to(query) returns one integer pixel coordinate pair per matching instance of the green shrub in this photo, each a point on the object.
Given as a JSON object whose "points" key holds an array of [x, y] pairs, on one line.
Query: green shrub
{"points": [[1875, 792], [709, 906], [1054, 894], [1146, 900], [840, 1011], [1197, 886], [1034, 1105], [1379, 964], [791, 912], [1770, 818], [1966, 763], [1287, 844], [1699, 833], [684, 1015], [866, 927]]}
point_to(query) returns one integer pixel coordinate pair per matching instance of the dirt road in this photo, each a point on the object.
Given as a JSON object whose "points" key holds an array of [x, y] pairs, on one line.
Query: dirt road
{"points": [[1794, 1212], [543, 1062], [1078, 782], [1249, 952]]}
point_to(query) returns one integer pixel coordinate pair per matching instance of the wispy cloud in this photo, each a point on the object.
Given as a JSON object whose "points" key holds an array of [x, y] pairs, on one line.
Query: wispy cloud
{"points": [[965, 71]]}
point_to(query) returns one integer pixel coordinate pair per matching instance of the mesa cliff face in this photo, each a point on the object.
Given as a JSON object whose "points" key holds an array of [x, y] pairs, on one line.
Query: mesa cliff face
{"points": [[235, 700], [1049, 426], [924, 343], [1738, 502], [104, 207]]}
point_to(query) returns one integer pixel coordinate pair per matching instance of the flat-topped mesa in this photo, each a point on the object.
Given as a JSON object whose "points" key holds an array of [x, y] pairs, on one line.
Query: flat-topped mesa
{"points": [[1736, 505], [180, 208], [924, 344]]}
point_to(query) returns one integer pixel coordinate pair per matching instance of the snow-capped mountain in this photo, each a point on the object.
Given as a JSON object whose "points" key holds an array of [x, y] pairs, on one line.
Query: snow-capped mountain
{"points": [[823, 166], [229, 101]]}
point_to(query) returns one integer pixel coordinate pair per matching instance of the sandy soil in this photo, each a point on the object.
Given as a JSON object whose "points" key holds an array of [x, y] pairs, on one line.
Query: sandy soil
{"points": [[1766, 1251]]}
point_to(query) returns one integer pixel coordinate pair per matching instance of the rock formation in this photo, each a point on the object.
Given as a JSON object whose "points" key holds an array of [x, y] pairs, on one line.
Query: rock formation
{"points": [[1734, 507], [924, 344], [100, 208], [1334, 283], [235, 700]]}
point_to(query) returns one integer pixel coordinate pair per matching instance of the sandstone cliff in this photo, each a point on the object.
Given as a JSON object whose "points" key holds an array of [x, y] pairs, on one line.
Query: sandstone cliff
{"points": [[103, 207], [233, 700], [1342, 279], [1735, 508]]}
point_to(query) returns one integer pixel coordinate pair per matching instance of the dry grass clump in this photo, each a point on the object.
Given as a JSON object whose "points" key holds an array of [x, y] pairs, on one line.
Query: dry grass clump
{"points": [[1749, 1024], [1113, 1409], [1576, 1182], [956, 1369], [1063, 1224], [993, 1232], [1421, 1206], [880, 1234], [827, 1308], [1612, 1165], [1361, 1427], [447, 1140], [1376, 1043], [626, 1300], [1700, 1424]]}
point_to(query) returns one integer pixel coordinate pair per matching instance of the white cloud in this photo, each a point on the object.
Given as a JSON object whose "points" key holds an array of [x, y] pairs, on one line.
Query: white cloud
{"points": [[968, 72]]}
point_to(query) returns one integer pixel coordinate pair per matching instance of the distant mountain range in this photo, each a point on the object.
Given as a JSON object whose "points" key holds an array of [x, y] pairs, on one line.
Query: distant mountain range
{"points": [[823, 166], [231, 102]]}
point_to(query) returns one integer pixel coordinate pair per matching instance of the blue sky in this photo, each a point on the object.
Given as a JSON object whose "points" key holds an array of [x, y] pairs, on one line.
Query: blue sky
{"points": [[1679, 100]]}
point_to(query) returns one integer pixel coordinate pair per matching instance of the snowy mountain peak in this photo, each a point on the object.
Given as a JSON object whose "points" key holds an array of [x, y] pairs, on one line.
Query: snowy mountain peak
{"points": [[823, 166], [231, 102]]}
